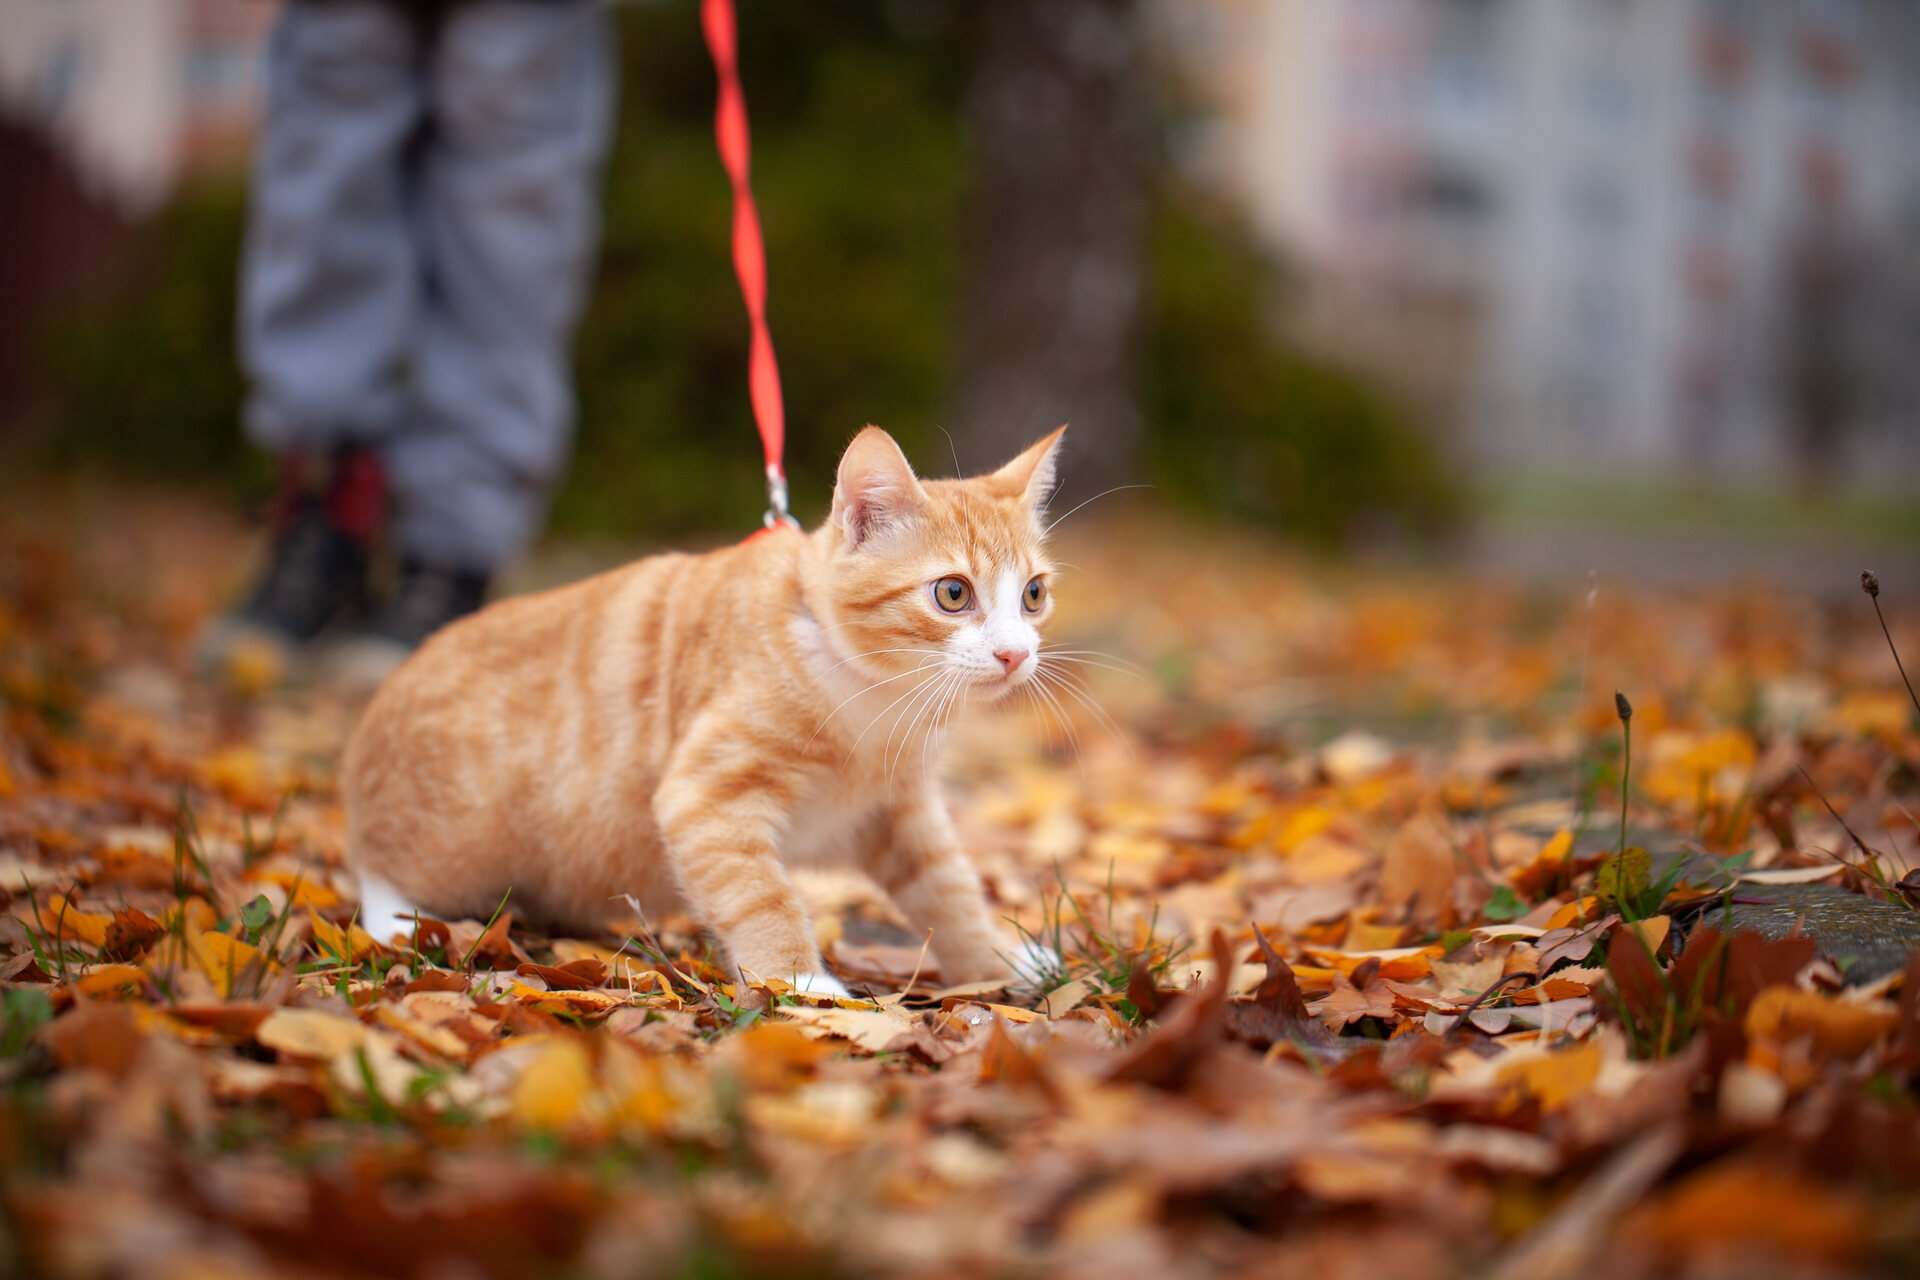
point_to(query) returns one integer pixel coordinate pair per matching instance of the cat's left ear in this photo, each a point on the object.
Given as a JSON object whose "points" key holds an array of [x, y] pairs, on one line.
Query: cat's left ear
{"points": [[1032, 474], [875, 489]]}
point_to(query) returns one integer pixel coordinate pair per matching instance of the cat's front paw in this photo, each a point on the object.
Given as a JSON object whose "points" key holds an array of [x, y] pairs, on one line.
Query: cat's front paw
{"points": [[820, 984], [1036, 966]]}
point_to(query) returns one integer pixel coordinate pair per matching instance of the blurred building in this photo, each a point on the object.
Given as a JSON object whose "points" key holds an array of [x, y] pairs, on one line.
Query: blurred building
{"points": [[104, 106], [1596, 234], [133, 92]]}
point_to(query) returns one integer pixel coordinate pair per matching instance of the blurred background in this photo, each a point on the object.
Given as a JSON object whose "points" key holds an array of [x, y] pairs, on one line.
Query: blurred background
{"points": [[1540, 285]]}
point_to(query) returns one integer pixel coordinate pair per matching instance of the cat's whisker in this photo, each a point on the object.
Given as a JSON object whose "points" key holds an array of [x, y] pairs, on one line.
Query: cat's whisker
{"points": [[909, 716], [933, 712], [1059, 714], [931, 736], [939, 693], [1095, 658], [871, 653], [890, 706], [1061, 681], [1055, 524], [869, 689]]}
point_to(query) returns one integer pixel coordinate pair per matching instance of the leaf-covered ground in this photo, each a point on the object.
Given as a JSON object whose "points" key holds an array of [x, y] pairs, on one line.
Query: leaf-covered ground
{"points": [[1357, 981]]}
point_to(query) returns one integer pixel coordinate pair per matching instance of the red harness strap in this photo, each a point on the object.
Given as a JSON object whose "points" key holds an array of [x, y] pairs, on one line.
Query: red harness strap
{"points": [[749, 252]]}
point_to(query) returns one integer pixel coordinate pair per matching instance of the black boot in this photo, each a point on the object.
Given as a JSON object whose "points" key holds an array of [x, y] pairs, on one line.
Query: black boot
{"points": [[315, 577], [427, 599]]}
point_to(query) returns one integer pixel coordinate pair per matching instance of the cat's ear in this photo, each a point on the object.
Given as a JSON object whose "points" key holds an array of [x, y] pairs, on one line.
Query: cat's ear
{"points": [[875, 488], [1032, 475]]}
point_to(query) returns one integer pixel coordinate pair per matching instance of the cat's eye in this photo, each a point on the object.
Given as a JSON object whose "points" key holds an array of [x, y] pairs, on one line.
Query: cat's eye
{"points": [[1036, 595], [952, 594]]}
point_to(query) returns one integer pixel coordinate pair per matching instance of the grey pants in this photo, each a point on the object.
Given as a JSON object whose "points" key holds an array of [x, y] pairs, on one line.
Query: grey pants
{"points": [[423, 219]]}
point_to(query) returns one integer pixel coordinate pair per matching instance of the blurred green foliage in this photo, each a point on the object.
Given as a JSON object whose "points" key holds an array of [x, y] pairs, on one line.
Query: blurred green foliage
{"points": [[145, 380], [859, 162], [1242, 425]]}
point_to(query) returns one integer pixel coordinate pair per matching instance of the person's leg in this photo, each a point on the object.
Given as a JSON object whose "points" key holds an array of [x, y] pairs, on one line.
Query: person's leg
{"points": [[329, 291], [330, 277], [520, 111]]}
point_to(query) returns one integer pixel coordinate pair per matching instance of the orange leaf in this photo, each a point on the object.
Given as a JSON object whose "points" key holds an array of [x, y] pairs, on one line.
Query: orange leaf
{"points": [[1556, 1079], [1757, 1209], [1838, 1029]]}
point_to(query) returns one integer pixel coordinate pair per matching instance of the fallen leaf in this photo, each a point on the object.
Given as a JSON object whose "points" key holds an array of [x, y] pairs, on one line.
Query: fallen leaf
{"points": [[1834, 1028], [1419, 869], [309, 1033], [1556, 1078], [1761, 1212], [871, 1029]]}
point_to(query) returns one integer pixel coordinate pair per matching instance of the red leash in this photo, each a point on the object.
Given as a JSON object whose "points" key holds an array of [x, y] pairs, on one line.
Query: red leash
{"points": [[749, 252]]}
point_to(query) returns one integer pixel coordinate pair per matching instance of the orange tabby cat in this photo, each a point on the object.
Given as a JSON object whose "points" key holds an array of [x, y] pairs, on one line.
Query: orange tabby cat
{"points": [[686, 728]]}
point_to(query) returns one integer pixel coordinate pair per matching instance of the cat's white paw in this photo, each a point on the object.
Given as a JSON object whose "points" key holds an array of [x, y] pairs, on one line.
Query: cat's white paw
{"points": [[383, 912], [1034, 963], [820, 984]]}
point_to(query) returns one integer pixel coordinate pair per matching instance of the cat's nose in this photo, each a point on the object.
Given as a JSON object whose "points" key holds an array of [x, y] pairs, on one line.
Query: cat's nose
{"points": [[1010, 659]]}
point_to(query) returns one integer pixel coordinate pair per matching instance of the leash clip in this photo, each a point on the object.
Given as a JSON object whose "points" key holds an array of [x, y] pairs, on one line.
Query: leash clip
{"points": [[777, 513]]}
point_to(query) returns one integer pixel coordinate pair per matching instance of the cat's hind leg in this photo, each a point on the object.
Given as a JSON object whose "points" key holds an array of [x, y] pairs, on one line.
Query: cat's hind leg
{"points": [[384, 911]]}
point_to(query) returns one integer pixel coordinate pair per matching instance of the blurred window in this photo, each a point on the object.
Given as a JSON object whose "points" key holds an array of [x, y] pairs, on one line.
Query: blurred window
{"points": [[61, 81], [1604, 96], [1597, 203]]}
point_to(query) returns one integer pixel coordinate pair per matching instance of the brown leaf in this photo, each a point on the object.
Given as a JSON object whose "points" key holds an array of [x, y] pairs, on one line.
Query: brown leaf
{"points": [[439, 980], [95, 1034], [1418, 871], [470, 945], [131, 933], [575, 975], [1146, 996], [24, 968], [1008, 1063], [1750, 965], [1278, 1012], [1192, 1030]]}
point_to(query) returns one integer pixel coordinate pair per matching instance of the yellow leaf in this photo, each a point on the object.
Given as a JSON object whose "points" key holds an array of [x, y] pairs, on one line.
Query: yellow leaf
{"points": [[827, 1112], [1556, 1078], [1533, 879], [352, 944], [59, 918], [227, 961], [871, 1029], [302, 891], [311, 1033], [1061, 999], [236, 770], [1401, 964], [1365, 935], [1653, 931], [1302, 825], [553, 1091], [111, 977], [403, 1020], [1571, 912]]}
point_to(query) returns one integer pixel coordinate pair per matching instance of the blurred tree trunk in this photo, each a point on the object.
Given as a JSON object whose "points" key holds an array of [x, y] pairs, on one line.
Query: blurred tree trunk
{"points": [[1819, 361], [1053, 266]]}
